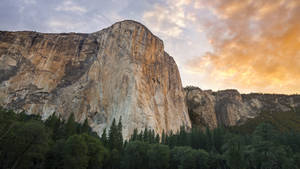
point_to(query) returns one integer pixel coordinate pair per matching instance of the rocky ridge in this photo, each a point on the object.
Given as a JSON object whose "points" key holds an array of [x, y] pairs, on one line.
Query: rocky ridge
{"points": [[122, 70], [229, 107]]}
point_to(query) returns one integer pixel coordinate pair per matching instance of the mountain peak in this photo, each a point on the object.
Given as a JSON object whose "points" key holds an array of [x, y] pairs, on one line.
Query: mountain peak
{"points": [[130, 25]]}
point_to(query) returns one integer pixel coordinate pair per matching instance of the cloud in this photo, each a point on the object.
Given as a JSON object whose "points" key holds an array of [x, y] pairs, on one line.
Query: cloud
{"points": [[178, 24], [256, 46], [60, 25], [29, 1], [70, 6], [168, 19]]}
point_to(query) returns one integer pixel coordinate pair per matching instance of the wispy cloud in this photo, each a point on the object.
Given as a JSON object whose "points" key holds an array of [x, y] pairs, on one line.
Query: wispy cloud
{"points": [[168, 19], [70, 6]]}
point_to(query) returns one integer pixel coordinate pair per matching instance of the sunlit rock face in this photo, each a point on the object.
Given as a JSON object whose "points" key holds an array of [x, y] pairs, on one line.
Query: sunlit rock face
{"points": [[229, 107], [122, 70]]}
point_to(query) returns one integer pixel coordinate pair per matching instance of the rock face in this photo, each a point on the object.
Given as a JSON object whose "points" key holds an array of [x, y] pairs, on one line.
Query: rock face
{"points": [[229, 107], [122, 70]]}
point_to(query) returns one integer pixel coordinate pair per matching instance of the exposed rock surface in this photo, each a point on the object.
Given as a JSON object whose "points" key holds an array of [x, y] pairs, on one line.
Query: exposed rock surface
{"points": [[229, 107], [119, 71]]}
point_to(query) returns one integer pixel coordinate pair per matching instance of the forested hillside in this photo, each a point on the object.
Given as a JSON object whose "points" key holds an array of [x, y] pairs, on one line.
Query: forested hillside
{"points": [[28, 142], [282, 121]]}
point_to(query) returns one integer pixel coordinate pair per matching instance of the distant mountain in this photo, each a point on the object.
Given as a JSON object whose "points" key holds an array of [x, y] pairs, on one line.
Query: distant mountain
{"points": [[230, 108]]}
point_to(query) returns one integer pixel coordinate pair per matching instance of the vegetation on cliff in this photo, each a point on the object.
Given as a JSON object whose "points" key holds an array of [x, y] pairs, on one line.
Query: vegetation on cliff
{"points": [[28, 142]]}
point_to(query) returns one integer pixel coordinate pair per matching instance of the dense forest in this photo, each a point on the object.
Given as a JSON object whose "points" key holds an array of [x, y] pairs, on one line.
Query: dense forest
{"points": [[27, 142]]}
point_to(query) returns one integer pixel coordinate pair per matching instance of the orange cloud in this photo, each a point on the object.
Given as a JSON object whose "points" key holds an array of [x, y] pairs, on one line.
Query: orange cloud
{"points": [[256, 46]]}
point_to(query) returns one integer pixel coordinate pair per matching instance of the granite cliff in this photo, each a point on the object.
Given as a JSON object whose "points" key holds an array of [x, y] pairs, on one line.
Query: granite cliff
{"points": [[122, 70], [229, 107]]}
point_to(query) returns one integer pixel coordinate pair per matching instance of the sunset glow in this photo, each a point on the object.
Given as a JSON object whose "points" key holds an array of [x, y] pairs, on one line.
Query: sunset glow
{"points": [[256, 46]]}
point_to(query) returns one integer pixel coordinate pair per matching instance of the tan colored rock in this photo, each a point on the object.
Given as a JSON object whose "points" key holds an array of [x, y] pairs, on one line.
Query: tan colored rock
{"points": [[122, 70], [201, 107]]}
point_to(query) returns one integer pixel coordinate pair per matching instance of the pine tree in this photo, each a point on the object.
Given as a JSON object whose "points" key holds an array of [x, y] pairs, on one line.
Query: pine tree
{"points": [[85, 128], [157, 139], [112, 135], [171, 139], [163, 137], [71, 126], [182, 140], [104, 137], [115, 139], [152, 136], [140, 136], [55, 124], [120, 135], [146, 135], [209, 140], [134, 136]]}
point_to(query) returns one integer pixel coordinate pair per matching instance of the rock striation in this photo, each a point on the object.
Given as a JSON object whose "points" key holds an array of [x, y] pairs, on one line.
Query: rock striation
{"points": [[121, 71], [229, 107]]}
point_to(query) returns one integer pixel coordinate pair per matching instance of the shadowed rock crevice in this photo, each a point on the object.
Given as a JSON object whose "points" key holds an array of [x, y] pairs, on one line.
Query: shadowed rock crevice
{"points": [[74, 71], [5, 74]]}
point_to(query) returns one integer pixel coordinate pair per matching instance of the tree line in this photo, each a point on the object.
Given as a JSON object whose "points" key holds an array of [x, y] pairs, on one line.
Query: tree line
{"points": [[28, 142]]}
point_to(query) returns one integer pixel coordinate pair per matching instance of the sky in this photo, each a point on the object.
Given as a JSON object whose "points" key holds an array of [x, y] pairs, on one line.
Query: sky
{"points": [[249, 45]]}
